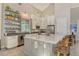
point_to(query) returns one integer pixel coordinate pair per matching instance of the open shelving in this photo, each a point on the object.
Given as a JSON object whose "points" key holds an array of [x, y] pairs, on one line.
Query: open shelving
{"points": [[12, 21]]}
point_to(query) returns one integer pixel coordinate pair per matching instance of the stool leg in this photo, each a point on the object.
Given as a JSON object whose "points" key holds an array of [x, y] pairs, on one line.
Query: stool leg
{"points": [[58, 53]]}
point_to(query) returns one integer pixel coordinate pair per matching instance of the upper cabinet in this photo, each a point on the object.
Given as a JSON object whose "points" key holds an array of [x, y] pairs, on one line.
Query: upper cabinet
{"points": [[47, 20], [35, 20], [43, 21], [50, 20]]}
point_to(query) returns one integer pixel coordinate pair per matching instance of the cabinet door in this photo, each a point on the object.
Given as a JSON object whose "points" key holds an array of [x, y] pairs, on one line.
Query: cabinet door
{"points": [[11, 41], [40, 49], [43, 23], [50, 20], [34, 47], [37, 48], [27, 47], [35, 21], [48, 49]]}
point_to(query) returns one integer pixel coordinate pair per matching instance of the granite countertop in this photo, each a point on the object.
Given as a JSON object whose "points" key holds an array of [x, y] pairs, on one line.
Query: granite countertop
{"points": [[53, 39], [14, 34]]}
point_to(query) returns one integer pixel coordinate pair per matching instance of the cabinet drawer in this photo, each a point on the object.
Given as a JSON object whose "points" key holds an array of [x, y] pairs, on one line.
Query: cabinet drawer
{"points": [[11, 41]]}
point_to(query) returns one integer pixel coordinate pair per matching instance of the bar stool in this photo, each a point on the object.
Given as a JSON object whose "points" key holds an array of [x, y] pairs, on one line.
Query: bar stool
{"points": [[73, 38], [63, 43], [69, 40], [62, 51]]}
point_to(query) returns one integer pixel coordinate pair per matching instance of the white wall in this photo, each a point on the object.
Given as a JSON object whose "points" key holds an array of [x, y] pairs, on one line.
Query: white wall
{"points": [[62, 17], [75, 16]]}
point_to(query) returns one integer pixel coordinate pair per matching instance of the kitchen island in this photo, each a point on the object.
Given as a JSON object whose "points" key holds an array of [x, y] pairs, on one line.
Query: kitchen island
{"points": [[40, 45]]}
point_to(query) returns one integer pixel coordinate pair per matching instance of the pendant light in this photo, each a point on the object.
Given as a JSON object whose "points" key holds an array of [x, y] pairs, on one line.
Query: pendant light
{"points": [[24, 15]]}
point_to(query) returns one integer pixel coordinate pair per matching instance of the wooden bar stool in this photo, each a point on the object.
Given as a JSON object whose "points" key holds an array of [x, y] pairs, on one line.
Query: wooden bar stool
{"points": [[73, 38], [62, 51], [66, 42], [73, 35], [69, 40], [63, 43]]}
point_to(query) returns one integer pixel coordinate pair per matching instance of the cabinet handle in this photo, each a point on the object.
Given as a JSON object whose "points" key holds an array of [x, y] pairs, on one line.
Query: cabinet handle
{"points": [[35, 44], [44, 45]]}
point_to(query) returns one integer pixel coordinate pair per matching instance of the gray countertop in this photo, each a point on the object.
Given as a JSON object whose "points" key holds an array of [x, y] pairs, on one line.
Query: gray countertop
{"points": [[14, 34], [53, 39]]}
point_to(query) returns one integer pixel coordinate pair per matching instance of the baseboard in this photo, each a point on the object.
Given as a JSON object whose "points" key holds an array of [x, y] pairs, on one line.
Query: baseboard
{"points": [[20, 45]]}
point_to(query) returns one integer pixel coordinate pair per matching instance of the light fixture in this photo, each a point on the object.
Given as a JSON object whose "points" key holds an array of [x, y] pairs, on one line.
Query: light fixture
{"points": [[24, 15]]}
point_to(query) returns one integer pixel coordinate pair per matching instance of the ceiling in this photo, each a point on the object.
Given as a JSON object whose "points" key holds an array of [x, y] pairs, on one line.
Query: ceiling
{"points": [[34, 8], [40, 6]]}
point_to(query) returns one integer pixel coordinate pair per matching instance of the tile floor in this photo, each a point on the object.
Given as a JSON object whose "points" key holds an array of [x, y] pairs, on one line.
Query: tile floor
{"points": [[13, 52], [74, 50]]}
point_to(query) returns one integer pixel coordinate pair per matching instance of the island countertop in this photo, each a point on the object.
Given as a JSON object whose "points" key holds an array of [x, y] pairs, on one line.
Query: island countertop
{"points": [[53, 39]]}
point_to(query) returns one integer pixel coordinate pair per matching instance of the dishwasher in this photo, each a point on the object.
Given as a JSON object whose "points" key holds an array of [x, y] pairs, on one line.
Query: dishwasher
{"points": [[20, 40]]}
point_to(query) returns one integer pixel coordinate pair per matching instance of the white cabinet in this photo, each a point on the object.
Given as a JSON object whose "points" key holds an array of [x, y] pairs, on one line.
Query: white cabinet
{"points": [[11, 41], [37, 48], [48, 51], [28, 47], [40, 48], [50, 20], [43, 23], [35, 21], [47, 20], [34, 47]]}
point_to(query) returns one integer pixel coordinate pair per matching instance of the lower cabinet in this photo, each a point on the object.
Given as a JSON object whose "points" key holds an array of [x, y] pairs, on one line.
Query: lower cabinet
{"points": [[40, 48], [48, 49], [11, 41], [28, 47], [37, 48]]}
